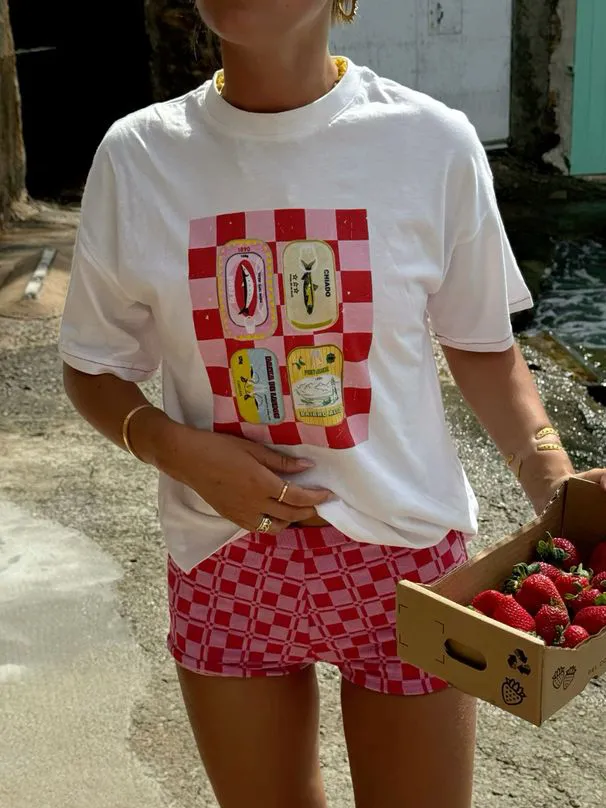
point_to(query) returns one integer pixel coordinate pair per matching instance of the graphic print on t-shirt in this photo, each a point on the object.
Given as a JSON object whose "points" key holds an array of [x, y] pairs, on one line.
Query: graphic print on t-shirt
{"points": [[282, 308]]}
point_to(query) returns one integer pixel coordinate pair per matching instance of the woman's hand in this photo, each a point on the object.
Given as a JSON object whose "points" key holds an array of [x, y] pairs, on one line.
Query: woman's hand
{"points": [[593, 476], [240, 479]]}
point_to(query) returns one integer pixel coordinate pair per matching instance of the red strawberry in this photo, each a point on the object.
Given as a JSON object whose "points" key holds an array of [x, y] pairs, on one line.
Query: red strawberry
{"points": [[512, 614], [536, 591], [586, 597], [546, 569], [572, 636], [537, 567], [560, 552], [551, 622], [599, 581], [487, 601], [598, 558], [568, 583], [592, 618]]}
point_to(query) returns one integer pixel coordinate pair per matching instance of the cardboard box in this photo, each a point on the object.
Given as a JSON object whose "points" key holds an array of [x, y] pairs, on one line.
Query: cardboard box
{"points": [[501, 665]]}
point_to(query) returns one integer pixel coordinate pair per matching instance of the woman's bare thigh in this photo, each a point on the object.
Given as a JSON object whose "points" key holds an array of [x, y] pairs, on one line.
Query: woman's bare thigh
{"points": [[258, 738], [407, 751]]}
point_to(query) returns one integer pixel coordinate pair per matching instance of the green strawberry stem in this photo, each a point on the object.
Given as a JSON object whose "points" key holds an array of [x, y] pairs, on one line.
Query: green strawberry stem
{"points": [[548, 552]]}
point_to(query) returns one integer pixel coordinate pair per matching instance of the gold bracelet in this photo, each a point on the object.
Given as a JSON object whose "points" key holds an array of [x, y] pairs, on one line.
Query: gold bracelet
{"points": [[548, 430], [551, 446], [126, 429]]}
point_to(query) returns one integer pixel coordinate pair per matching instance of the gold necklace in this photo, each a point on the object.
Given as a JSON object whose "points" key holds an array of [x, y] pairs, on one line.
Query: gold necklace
{"points": [[340, 64]]}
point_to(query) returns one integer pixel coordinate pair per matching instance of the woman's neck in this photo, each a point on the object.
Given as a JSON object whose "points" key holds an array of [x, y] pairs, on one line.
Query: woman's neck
{"points": [[277, 79]]}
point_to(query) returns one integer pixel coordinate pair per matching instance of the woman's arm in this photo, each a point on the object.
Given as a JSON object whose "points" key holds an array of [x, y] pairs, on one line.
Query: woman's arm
{"points": [[240, 479], [105, 401], [500, 389]]}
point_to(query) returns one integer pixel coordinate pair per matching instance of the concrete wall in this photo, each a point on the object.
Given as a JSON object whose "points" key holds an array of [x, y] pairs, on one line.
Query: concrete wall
{"points": [[456, 50], [562, 84], [12, 155], [535, 33], [544, 34]]}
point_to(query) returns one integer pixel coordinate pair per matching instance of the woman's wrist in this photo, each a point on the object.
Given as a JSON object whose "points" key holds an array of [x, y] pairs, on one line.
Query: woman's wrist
{"points": [[542, 474], [155, 438]]}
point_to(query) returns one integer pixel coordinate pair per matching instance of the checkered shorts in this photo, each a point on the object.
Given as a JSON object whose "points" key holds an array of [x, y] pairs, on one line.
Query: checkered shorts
{"points": [[268, 606]]}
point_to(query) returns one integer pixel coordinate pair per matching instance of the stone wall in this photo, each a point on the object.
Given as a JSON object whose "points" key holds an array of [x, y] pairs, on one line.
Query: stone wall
{"points": [[183, 54], [536, 32], [12, 155], [544, 36], [562, 84]]}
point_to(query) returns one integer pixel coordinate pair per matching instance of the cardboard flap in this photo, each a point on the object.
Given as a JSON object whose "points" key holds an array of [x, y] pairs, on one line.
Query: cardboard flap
{"points": [[584, 518]]}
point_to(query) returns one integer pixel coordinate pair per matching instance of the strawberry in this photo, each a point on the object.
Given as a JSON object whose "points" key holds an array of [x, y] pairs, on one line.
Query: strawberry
{"points": [[536, 591], [560, 552], [599, 581], [546, 569], [586, 597], [540, 567], [512, 614], [598, 558], [550, 622], [592, 619], [568, 583], [487, 601], [571, 636]]}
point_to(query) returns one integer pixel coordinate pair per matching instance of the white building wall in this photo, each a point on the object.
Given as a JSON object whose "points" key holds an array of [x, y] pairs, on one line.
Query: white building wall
{"points": [[456, 50]]}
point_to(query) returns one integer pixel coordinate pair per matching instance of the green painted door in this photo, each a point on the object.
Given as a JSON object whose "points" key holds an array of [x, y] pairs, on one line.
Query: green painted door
{"points": [[589, 116]]}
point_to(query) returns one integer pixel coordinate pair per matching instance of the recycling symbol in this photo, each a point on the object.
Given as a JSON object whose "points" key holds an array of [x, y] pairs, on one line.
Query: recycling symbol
{"points": [[518, 661]]}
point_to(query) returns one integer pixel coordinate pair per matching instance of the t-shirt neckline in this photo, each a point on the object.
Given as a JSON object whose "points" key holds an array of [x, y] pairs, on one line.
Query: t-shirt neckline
{"points": [[282, 124]]}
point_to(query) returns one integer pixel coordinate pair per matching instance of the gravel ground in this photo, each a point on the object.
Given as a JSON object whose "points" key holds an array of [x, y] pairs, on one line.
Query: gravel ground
{"points": [[52, 464]]}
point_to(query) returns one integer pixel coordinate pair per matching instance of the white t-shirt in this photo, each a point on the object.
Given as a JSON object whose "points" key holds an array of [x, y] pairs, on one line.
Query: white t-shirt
{"points": [[283, 270]]}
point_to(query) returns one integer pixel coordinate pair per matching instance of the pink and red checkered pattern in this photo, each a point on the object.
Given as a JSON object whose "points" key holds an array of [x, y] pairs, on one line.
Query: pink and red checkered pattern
{"points": [[267, 606], [346, 232]]}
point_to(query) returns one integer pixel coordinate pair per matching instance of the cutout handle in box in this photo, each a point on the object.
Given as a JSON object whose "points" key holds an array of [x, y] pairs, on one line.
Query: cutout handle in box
{"points": [[471, 652]]}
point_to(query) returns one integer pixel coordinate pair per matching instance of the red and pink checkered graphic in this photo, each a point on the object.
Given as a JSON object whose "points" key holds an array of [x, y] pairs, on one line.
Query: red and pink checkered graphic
{"points": [[267, 606], [283, 314]]}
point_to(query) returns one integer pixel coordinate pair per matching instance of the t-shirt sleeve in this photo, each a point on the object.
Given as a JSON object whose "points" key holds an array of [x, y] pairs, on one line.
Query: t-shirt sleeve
{"points": [[482, 283], [105, 328]]}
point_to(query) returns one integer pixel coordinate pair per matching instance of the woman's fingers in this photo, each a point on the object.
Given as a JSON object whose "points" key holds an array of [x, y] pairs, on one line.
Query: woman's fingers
{"points": [[276, 525], [275, 461], [288, 513], [305, 497]]}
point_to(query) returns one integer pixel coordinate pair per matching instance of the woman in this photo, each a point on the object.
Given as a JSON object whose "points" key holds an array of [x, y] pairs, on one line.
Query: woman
{"points": [[278, 239]]}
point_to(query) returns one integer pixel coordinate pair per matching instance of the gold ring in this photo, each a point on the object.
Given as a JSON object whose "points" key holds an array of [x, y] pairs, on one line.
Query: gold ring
{"points": [[283, 493], [264, 525]]}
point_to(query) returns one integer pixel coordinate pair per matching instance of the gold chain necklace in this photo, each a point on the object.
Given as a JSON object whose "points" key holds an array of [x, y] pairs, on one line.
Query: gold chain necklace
{"points": [[340, 64]]}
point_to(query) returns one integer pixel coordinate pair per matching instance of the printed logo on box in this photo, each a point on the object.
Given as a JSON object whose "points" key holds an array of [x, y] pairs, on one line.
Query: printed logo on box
{"points": [[563, 677], [512, 692]]}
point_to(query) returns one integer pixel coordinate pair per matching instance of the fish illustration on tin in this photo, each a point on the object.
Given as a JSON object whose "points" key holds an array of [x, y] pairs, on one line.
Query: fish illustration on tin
{"points": [[310, 284], [245, 288], [309, 287]]}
